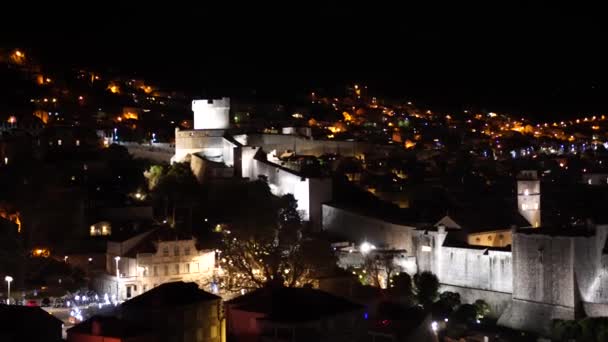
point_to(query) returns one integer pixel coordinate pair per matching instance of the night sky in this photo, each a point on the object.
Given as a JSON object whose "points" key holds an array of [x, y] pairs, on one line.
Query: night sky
{"points": [[536, 60]]}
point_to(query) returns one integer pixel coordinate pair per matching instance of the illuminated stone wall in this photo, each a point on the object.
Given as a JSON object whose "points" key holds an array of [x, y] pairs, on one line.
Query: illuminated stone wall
{"points": [[357, 228], [305, 146], [208, 142]]}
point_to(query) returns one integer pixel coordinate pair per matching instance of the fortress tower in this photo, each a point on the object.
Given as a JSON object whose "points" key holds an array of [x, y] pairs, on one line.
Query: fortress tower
{"points": [[211, 114], [528, 196]]}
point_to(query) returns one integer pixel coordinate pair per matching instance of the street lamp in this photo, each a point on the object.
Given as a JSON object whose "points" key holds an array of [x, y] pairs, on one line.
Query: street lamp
{"points": [[117, 259], [8, 279]]}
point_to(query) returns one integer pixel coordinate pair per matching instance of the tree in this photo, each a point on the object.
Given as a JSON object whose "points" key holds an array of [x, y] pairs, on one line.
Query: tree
{"points": [[153, 176], [380, 267], [402, 290], [426, 288], [177, 187], [482, 308], [450, 299], [563, 330], [255, 252], [447, 303]]}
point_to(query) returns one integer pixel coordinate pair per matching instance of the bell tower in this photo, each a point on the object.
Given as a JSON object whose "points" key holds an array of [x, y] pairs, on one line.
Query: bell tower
{"points": [[528, 196]]}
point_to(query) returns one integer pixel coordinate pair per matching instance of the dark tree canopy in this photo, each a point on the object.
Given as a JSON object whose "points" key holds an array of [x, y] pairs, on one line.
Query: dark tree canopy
{"points": [[426, 287]]}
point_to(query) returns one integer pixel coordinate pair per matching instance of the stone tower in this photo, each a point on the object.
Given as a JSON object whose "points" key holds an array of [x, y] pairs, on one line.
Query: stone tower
{"points": [[528, 196], [211, 114]]}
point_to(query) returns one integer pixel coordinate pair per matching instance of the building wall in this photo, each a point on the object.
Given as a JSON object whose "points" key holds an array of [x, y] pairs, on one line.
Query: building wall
{"points": [[208, 142], [200, 321], [358, 228], [498, 238], [145, 271], [158, 152], [476, 268], [305, 146], [283, 182], [228, 152]]}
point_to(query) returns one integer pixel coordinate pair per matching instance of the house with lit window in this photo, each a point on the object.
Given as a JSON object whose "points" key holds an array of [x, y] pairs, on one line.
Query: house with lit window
{"points": [[139, 263]]}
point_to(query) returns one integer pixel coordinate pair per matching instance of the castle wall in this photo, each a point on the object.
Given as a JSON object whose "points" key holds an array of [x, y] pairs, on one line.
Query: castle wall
{"points": [[228, 152], [283, 182], [304, 146], [358, 228], [543, 269], [476, 269], [208, 142], [498, 301]]}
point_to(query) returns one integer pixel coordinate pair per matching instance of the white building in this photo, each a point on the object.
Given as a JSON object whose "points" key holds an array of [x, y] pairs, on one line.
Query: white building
{"points": [[144, 261]]}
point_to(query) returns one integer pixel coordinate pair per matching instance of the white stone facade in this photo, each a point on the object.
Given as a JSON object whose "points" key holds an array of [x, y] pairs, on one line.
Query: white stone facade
{"points": [[177, 260]]}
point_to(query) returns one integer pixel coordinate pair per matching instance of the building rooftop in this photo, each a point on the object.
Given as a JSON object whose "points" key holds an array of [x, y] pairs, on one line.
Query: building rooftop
{"points": [[148, 244], [21, 318], [110, 327], [170, 295], [288, 304], [558, 231]]}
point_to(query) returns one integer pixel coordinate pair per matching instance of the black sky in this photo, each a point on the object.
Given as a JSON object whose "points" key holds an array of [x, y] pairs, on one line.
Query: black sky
{"points": [[534, 59]]}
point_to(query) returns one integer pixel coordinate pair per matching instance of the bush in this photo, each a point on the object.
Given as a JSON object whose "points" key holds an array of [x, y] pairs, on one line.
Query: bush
{"points": [[482, 308], [465, 313]]}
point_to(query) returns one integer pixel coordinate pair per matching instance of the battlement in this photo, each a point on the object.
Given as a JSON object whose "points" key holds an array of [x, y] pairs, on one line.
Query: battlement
{"points": [[224, 102]]}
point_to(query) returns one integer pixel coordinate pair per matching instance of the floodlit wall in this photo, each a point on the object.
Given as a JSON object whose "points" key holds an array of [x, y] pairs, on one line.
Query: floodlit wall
{"points": [[476, 268], [207, 142], [211, 114], [305, 146], [358, 228], [283, 182]]}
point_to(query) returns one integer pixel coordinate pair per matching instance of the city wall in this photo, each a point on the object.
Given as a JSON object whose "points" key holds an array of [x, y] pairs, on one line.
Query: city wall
{"points": [[358, 228]]}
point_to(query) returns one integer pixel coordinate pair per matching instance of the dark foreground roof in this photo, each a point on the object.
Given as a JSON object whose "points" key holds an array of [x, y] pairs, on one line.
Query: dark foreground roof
{"points": [[112, 327], [287, 304], [170, 295], [28, 323]]}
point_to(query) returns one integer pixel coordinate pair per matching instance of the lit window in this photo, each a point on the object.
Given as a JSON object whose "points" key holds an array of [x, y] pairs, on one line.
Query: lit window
{"points": [[77, 142], [426, 248], [59, 142]]}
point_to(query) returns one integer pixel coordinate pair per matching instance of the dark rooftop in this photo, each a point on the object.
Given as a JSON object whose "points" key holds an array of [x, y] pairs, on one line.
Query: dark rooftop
{"points": [[170, 295], [565, 231], [147, 244], [286, 304], [111, 327]]}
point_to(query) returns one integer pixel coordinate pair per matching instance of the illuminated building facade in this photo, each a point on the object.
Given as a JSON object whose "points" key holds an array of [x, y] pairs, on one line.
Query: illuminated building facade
{"points": [[145, 261]]}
